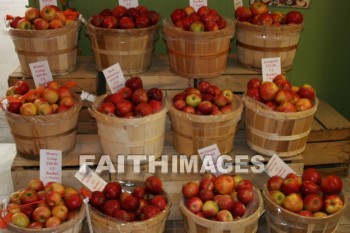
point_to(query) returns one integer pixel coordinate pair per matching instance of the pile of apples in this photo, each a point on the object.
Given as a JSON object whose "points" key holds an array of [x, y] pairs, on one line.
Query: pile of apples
{"points": [[41, 206], [49, 17], [204, 19], [121, 17], [258, 13], [132, 100], [206, 99], [279, 95], [219, 198], [310, 195], [141, 204], [44, 100]]}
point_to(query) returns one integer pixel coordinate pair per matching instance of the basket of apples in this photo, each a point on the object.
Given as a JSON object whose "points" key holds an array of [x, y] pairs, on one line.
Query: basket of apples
{"points": [[203, 116], [198, 42], [130, 206], [263, 34], [124, 36], [47, 208], [131, 120], [47, 34], [224, 203], [278, 116], [307, 204], [42, 118]]}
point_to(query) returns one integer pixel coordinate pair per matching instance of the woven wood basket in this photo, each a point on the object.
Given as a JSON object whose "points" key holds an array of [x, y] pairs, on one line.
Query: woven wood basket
{"points": [[102, 223], [280, 220], [57, 46], [72, 226], [247, 224], [198, 54], [56, 131], [255, 42], [193, 132], [131, 48], [270, 132], [136, 136]]}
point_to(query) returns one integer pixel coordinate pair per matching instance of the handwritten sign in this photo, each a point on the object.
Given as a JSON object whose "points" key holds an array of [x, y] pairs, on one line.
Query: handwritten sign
{"points": [[90, 179], [43, 3], [129, 3], [211, 150], [270, 68], [196, 4], [277, 167], [114, 77], [41, 72], [237, 3], [50, 166]]}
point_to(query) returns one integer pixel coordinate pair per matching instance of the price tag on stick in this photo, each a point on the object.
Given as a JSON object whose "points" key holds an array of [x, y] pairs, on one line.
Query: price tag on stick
{"points": [[90, 179], [41, 72], [277, 167], [129, 3], [43, 3], [114, 77], [51, 166], [237, 3], [270, 68], [196, 4]]}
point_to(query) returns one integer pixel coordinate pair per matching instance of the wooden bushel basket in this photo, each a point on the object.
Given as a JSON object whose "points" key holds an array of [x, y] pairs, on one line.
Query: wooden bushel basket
{"points": [[255, 42], [131, 48], [193, 132], [247, 224], [269, 132], [135, 136], [198, 54], [279, 219], [56, 131], [102, 223], [57, 46]]}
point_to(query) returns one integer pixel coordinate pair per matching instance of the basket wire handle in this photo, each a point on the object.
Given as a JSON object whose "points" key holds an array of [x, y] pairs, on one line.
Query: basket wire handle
{"points": [[88, 218]]}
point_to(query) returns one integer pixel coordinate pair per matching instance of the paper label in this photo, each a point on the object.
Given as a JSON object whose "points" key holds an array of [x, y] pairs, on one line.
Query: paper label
{"points": [[41, 72], [277, 167], [212, 151], [129, 3], [47, 2], [90, 179], [51, 166], [196, 4], [87, 96], [237, 3], [114, 77], [270, 68]]}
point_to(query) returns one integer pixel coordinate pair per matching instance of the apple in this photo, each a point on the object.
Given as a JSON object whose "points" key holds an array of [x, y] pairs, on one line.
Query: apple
{"points": [[277, 17], [286, 107], [206, 184], [142, 203], [35, 184], [155, 17], [52, 198], [97, 198], [254, 93], [16, 197], [110, 206], [48, 13], [211, 26], [29, 196], [189, 110], [190, 189], [224, 216], [277, 196], [303, 104], [254, 83], [293, 202], [123, 215], [283, 95], [193, 99], [258, 8], [244, 184], [41, 214], [20, 220], [105, 12], [274, 183], [13, 208], [306, 213], [243, 13], [225, 202], [45, 109], [245, 195], [97, 20], [131, 203], [332, 184], [53, 221], [107, 108], [64, 91], [203, 86], [313, 203], [203, 10], [140, 192], [143, 109], [189, 10], [28, 109], [264, 19], [205, 107], [57, 187], [112, 190], [333, 203], [28, 209], [126, 23], [294, 176], [206, 195], [109, 22], [24, 24], [124, 195], [36, 225], [149, 211], [307, 91], [313, 175], [268, 91], [118, 11], [159, 201], [224, 184], [61, 16], [210, 209], [21, 87], [31, 13], [60, 211], [197, 26], [179, 104], [139, 96], [238, 209], [123, 108], [143, 20], [294, 17], [73, 201], [155, 94], [320, 215], [132, 13], [153, 185], [213, 90], [308, 187], [290, 185]]}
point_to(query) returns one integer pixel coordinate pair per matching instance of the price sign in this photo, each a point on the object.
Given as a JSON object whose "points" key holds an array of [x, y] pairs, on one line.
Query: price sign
{"points": [[43, 3], [114, 77], [212, 151], [50, 166], [270, 68], [41, 72], [237, 3], [129, 3], [90, 179], [277, 167], [196, 4]]}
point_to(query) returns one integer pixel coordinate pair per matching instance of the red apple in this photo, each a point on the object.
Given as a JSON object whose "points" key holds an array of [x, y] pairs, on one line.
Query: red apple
{"points": [[143, 20], [154, 185], [313, 203], [143, 109], [258, 8], [206, 195], [179, 104], [268, 90], [254, 83], [97, 20], [294, 176], [178, 14], [123, 107], [203, 86], [332, 184], [290, 185], [53, 222], [28, 209], [73, 201], [190, 189], [286, 107], [307, 91], [306, 213], [131, 203], [97, 199], [124, 215], [140, 192], [48, 13], [303, 104], [277, 196], [308, 187], [159, 201], [313, 175], [36, 225], [29, 196], [205, 107], [224, 216], [238, 209], [110, 22], [245, 195], [264, 19], [110, 206], [21, 87], [294, 17], [41, 214], [254, 93], [61, 212], [155, 94], [206, 184], [112, 190], [210, 209], [293, 202], [283, 95], [224, 184], [149, 211], [244, 184], [155, 17], [203, 10], [107, 108], [225, 202], [333, 203], [189, 110], [118, 11], [274, 183], [243, 13]]}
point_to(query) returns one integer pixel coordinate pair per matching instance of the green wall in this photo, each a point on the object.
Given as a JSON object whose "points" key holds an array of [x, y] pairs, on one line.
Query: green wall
{"points": [[322, 56]]}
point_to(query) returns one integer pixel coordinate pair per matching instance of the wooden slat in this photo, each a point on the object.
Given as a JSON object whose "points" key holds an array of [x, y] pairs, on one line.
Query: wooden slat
{"points": [[330, 118]]}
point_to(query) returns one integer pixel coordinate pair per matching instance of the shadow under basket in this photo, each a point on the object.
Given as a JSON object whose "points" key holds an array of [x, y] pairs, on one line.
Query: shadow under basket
{"points": [[57, 46], [131, 48], [32, 133], [270, 132], [198, 54], [247, 224], [279, 219], [255, 42]]}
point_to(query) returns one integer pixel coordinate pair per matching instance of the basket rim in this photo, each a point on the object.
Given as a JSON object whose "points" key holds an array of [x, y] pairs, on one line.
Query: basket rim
{"points": [[283, 27], [150, 28]]}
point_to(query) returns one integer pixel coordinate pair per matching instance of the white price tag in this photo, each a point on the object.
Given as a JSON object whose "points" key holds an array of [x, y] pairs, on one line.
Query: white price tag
{"points": [[270, 68], [196, 4], [277, 167], [90, 179], [237, 3], [212, 151], [47, 2], [114, 77], [129, 3], [51, 166], [41, 72]]}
